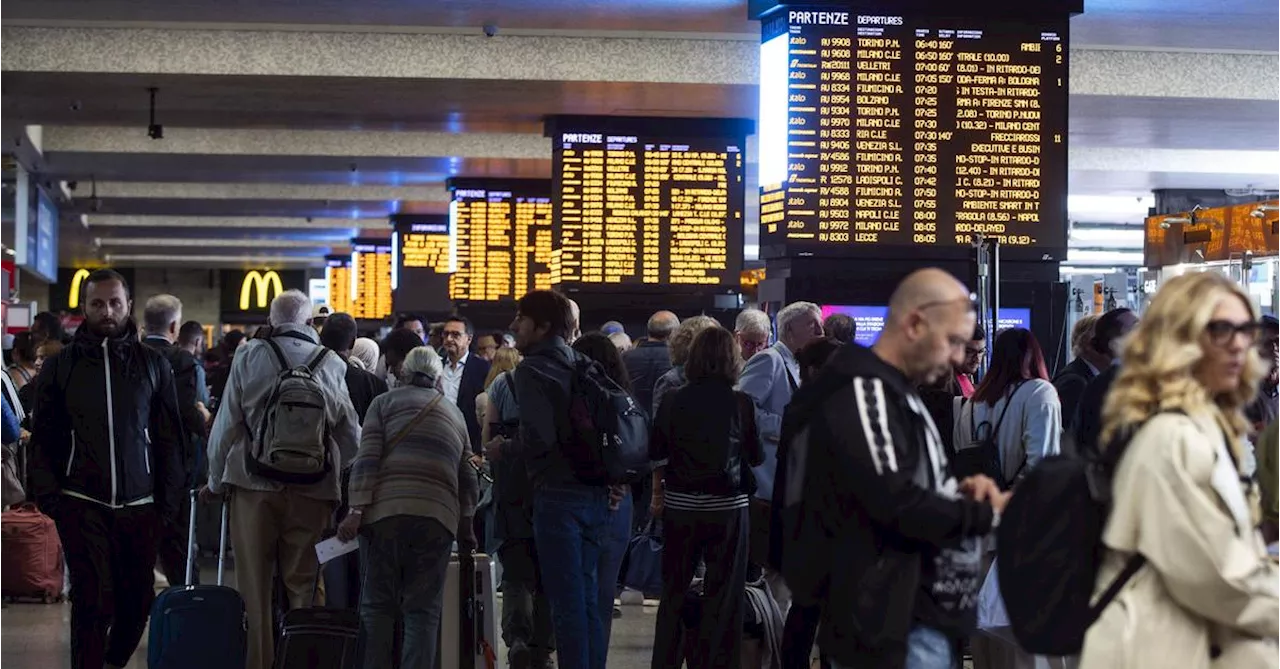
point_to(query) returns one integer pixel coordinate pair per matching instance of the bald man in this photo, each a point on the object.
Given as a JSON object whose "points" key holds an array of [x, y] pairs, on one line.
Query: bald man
{"points": [[575, 326], [646, 363], [867, 474]]}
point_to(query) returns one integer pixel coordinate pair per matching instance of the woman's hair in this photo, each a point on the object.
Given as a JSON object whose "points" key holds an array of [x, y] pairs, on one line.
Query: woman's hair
{"points": [[814, 357], [1082, 334], [1015, 357], [504, 360], [680, 342], [24, 348], [49, 349], [599, 347], [364, 352], [424, 362], [1162, 352], [397, 346], [714, 354]]}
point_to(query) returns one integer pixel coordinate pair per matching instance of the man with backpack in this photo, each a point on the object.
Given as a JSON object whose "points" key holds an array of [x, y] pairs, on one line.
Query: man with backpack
{"points": [[107, 467], [161, 318], [284, 432], [874, 524], [570, 515]]}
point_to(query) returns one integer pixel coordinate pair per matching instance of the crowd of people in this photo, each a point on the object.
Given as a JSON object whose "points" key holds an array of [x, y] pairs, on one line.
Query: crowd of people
{"points": [[809, 489]]}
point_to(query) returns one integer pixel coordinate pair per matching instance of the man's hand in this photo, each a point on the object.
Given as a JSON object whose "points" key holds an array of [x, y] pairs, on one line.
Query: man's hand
{"points": [[466, 534], [999, 500], [493, 449], [207, 495], [204, 413], [349, 527], [979, 488], [656, 503]]}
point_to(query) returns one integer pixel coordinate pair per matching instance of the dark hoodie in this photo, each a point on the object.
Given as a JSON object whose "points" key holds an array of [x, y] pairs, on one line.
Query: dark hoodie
{"points": [[106, 424], [875, 526]]}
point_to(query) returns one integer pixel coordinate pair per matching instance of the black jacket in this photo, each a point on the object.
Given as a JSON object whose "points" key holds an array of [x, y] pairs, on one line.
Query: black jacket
{"points": [[873, 516], [1086, 426], [107, 424], [183, 365], [706, 433], [1070, 384], [542, 391], [474, 372], [646, 364], [363, 387]]}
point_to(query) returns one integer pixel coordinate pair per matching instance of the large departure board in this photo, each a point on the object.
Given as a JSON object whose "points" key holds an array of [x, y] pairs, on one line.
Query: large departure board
{"points": [[425, 254], [371, 266], [881, 132], [337, 273], [503, 231], [651, 202]]}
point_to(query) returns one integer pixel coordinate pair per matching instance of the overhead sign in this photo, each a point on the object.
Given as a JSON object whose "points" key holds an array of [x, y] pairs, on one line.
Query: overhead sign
{"points": [[68, 292], [260, 283], [77, 281]]}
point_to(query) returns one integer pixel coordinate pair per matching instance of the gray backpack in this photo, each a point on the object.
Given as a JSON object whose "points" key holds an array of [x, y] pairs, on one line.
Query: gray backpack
{"points": [[292, 441]]}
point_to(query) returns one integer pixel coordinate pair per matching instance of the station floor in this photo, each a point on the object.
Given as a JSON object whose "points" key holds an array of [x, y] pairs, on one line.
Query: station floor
{"points": [[35, 636]]}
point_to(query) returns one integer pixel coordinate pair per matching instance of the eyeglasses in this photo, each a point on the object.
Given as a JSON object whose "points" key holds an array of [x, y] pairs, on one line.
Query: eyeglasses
{"points": [[1222, 332], [453, 334]]}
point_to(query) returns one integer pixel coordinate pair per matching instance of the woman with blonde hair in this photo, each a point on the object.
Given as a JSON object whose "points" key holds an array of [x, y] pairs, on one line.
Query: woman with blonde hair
{"points": [[679, 344], [1204, 593]]}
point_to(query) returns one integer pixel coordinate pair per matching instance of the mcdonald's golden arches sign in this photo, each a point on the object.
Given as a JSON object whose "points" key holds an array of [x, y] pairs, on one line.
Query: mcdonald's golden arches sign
{"points": [[252, 290]]}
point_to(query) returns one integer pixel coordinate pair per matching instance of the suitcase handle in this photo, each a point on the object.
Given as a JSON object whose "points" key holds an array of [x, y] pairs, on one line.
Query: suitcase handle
{"points": [[191, 540]]}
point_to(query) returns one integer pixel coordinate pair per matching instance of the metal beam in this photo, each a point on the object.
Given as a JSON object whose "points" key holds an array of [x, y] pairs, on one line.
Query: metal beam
{"points": [[239, 222], [257, 191]]}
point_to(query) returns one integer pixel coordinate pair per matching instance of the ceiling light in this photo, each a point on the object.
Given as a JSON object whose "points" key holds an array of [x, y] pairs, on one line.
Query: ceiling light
{"points": [[1109, 208], [1068, 270], [240, 222], [1095, 257], [256, 261], [1124, 237], [181, 242]]}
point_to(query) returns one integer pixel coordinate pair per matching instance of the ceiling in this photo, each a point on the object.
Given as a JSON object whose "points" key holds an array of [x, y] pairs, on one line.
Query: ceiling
{"points": [[301, 202]]}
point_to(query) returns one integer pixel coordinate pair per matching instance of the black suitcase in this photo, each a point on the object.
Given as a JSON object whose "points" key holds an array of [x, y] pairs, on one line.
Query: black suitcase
{"points": [[318, 637]]}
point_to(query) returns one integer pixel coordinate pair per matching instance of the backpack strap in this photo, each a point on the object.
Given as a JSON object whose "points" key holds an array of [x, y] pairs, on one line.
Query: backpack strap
{"points": [[1131, 567], [316, 359], [280, 357]]}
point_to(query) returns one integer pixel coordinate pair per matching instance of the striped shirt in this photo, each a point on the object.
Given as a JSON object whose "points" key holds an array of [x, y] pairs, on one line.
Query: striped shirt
{"points": [[693, 501]]}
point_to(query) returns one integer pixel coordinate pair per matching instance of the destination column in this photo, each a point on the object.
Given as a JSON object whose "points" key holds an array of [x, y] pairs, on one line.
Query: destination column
{"points": [[621, 223], [699, 213], [569, 256], [657, 169], [878, 156]]}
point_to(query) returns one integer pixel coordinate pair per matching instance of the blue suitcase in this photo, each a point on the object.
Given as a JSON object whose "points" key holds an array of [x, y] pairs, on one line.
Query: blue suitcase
{"points": [[199, 626]]}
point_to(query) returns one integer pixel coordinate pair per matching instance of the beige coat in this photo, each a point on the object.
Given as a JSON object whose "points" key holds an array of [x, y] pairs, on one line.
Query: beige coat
{"points": [[1207, 582]]}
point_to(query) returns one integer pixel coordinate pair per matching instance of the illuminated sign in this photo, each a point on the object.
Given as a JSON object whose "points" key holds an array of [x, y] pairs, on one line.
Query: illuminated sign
{"points": [[503, 231], [912, 131], [371, 278], [648, 202], [424, 253], [266, 285], [337, 274], [77, 285]]}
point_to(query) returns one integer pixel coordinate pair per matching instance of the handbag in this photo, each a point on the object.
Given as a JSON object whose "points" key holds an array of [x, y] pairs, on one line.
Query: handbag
{"points": [[642, 569], [11, 491], [982, 454]]}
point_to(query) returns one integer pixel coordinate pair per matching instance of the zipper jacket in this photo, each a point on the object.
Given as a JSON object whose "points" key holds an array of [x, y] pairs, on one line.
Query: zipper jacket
{"points": [[106, 425]]}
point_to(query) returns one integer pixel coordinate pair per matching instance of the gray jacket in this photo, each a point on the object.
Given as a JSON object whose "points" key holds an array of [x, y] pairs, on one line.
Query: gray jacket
{"points": [[253, 376]]}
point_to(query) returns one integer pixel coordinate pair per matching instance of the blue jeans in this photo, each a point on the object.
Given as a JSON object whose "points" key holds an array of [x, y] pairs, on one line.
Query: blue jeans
{"points": [[927, 648], [405, 560], [570, 526], [612, 552]]}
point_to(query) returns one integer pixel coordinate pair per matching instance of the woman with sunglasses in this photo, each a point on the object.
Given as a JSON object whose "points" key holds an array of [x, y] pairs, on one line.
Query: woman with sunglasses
{"points": [[1204, 594]]}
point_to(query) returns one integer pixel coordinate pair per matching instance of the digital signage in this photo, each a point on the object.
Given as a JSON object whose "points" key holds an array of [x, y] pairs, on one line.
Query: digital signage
{"points": [[424, 256], [884, 133], [655, 202], [371, 272], [337, 274], [503, 237], [869, 320], [251, 291]]}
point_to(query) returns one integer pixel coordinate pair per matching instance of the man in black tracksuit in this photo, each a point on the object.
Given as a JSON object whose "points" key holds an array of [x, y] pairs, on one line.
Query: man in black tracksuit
{"points": [[107, 466], [875, 525]]}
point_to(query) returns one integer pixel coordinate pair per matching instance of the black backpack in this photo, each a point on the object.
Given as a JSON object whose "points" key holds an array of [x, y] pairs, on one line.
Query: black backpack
{"points": [[1049, 549], [609, 432], [982, 454]]}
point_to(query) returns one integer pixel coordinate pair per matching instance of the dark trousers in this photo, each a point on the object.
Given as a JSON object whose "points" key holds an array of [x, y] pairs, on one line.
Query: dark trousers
{"points": [[110, 557], [173, 546], [405, 562], [720, 538], [798, 634], [526, 612]]}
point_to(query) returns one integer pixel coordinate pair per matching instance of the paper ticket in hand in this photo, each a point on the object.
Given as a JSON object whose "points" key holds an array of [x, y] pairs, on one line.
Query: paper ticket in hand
{"points": [[333, 547]]}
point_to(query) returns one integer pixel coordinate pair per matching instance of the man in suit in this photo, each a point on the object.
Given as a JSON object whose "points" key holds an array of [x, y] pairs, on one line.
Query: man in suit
{"points": [[464, 374]]}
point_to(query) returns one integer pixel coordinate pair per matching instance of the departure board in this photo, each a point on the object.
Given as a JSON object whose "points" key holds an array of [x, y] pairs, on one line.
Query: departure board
{"points": [[371, 265], [917, 132], [503, 231], [337, 273], [425, 256], [654, 203], [423, 246]]}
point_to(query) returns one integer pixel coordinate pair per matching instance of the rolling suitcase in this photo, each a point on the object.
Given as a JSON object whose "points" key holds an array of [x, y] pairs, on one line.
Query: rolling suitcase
{"points": [[31, 564], [318, 637], [469, 620], [199, 626]]}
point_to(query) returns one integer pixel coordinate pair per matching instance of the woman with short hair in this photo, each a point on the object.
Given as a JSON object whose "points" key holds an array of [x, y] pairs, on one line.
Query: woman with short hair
{"points": [[412, 490], [1205, 593]]}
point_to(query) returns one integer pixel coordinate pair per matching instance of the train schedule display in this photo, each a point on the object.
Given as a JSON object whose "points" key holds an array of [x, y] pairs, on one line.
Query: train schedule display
{"points": [[503, 236], [371, 272], [881, 131], [648, 203], [425, 255], [337, 273]]}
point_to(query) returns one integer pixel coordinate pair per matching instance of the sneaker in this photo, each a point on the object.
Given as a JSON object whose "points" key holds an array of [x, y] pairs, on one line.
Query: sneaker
{"points": [[161, 581], [617, 611], [631, 597], [519, 656]]}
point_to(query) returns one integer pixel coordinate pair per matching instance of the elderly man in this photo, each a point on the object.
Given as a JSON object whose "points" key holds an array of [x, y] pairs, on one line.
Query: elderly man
{"points": [[649, 360], [770, 378], [278, 518], [752, 329]]}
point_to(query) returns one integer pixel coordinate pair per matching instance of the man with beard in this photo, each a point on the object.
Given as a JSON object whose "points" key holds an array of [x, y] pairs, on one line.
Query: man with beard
{"points": [[107, 466]]}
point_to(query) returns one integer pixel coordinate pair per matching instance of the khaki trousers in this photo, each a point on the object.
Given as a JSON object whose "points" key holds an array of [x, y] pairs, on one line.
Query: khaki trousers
{"points": [[270, 531]]}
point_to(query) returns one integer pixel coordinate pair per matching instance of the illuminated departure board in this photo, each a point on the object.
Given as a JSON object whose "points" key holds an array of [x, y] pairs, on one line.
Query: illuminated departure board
{"points": [[648, 202], [371, 265], [879, 130], [424, 246], [503, 231], [337, 273], [425, 254]]}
